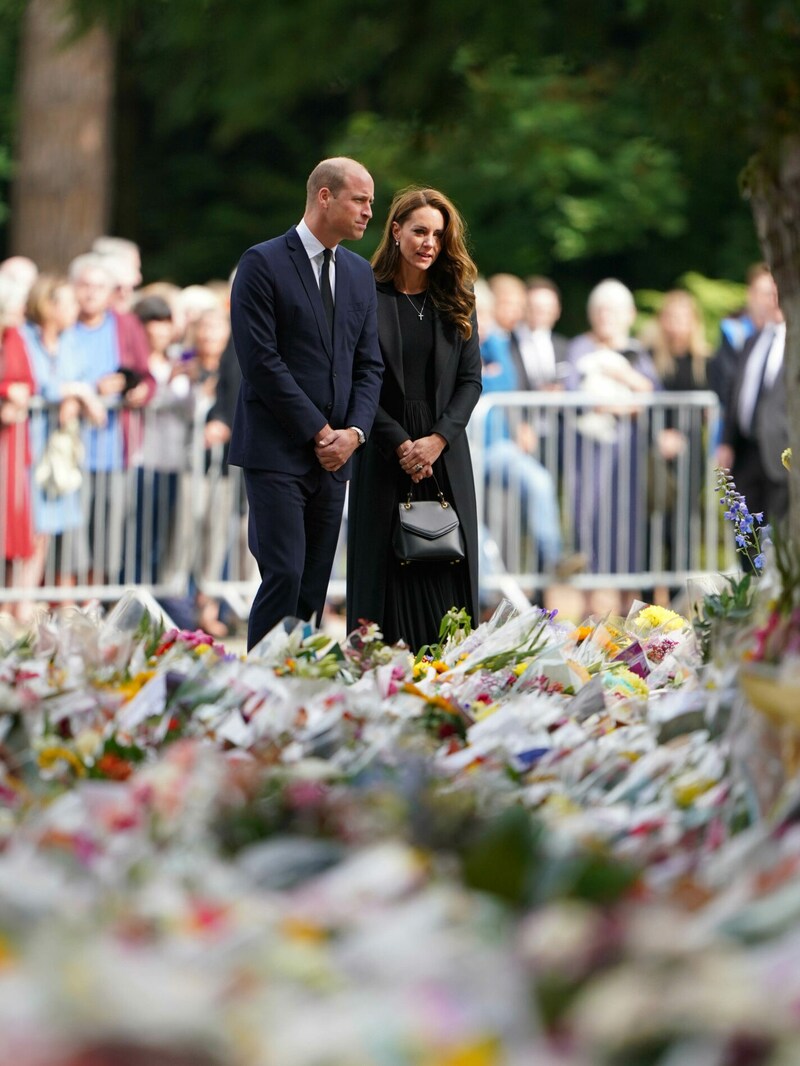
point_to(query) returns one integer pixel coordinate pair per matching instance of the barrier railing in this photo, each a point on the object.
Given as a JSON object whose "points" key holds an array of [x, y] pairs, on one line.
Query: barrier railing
{"points": [[628, 488], [554, 475]]}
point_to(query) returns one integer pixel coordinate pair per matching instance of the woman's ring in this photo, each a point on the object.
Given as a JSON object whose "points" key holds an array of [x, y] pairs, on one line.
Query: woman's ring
{"points": [[418, 466]]}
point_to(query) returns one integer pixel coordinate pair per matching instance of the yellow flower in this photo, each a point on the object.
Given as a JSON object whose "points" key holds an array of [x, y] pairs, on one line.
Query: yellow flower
{"points": [[655, 617], [128, 689], [581, 633], [479, 1052], [424, 666], [432, 701], [413, 690], [786, 458], [6, 954], [559, 804], [599, 637], [626, 683], [484, 710], [48, 757], [688, 790], [302, 929]]}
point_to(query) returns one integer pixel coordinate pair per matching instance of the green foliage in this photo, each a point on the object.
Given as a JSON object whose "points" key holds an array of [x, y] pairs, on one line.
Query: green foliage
{"points": [[535, 124], [575, 146], [545, 167], [10, 20], [716, 297], [509, 857], [732, 604], [752, 86], [455, 626], [504, 857]]}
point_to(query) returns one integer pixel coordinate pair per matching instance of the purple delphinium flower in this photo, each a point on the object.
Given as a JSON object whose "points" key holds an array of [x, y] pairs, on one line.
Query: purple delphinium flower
{"points": [[746, 526]]}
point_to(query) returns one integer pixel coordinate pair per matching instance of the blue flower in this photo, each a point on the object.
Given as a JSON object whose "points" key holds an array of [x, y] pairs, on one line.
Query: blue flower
{"points": [[759, 560], [747, 534]]}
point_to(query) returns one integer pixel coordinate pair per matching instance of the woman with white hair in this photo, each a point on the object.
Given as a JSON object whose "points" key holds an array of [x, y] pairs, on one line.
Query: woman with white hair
{"points": [[613, 367]]}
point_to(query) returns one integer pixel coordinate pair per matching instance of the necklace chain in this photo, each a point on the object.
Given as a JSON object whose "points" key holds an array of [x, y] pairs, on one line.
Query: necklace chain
{"points": [[419, 310]]}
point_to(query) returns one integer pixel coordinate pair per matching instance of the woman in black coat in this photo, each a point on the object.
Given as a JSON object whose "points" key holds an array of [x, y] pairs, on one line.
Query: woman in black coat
{"points": [[432, 381]]}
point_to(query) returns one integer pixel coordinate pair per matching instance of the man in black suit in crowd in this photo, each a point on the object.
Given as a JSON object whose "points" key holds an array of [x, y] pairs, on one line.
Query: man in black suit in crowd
{"points": [[543, 351], [755, 424], [303, 313]]}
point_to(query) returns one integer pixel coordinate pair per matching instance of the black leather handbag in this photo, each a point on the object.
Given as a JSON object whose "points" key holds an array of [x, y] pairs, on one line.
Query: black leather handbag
{"points": [[428, 531]]}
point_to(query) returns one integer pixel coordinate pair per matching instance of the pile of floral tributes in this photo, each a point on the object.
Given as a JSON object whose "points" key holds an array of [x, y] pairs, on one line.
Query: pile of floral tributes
{"points": [[531, 843]]}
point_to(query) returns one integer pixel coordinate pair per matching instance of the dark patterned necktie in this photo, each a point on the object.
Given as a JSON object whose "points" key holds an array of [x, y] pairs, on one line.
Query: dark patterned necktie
{"points": [[325, 287]]}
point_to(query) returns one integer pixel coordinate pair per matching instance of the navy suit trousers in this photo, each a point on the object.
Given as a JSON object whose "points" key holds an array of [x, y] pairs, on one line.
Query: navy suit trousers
{"points": [[293, 530]]}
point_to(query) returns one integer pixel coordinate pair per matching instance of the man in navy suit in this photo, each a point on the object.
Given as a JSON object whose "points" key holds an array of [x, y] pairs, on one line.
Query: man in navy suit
{"points": [[305, 331], [755, 427]]}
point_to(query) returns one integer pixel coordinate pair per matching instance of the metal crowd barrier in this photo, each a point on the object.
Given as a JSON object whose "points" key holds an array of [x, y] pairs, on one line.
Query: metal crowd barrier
{"points": [[171, 520], [166, 516], [637, 519]]}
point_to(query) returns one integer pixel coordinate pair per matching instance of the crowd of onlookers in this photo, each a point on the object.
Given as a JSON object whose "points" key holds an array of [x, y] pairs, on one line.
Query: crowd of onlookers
{"points": [[523, 350], [102, 379], [93, 472]]}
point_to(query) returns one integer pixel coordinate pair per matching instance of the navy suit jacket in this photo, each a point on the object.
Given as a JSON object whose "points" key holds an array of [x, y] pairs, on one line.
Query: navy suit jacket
{"points": [[294, 378]]}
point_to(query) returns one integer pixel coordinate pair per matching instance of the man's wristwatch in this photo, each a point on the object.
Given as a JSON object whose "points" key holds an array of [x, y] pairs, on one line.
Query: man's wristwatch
{"points": [[359, 433]]}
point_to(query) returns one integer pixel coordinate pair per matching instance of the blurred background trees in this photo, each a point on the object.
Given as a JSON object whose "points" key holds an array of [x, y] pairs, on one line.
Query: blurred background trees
{"points": [[557, 128], [62, 190], [579, 140]]}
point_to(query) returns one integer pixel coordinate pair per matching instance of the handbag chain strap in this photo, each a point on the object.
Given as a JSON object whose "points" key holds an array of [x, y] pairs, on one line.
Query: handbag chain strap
{"points": [[439, 493]]}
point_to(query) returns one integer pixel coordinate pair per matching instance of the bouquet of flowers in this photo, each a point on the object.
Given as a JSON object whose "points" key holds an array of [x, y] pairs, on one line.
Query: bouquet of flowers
{"points": [[735, 601]]}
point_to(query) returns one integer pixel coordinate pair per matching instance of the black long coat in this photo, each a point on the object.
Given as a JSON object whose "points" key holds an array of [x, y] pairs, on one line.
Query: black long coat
{"points": [[376, 485]]}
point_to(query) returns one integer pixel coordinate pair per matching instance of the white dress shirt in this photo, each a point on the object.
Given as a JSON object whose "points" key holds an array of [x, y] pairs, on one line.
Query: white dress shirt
{"points": [[761, 370], [314, 249], [538, 355]]}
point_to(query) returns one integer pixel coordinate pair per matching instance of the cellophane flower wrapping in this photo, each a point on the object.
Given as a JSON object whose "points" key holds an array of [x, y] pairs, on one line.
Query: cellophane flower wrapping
{"points": [[530, 847]]}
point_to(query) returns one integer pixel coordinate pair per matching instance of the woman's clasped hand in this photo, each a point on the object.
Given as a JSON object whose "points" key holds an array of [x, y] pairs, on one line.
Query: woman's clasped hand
{"points": [[417, 457]]}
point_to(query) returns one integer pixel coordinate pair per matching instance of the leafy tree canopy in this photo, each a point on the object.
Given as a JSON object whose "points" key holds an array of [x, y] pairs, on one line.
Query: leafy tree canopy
{"points": [[578, 141]]}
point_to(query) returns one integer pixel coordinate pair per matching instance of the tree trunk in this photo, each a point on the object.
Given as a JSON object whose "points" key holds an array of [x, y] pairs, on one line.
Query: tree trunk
{"points": [[61, 190], [774, 186]]}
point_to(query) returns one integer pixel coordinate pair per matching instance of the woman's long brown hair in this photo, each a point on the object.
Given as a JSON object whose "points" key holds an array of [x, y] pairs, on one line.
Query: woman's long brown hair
{"points": [[452, 276], [698, 349]]}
